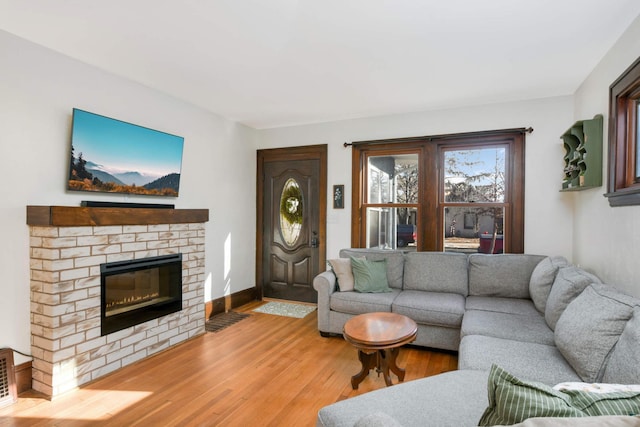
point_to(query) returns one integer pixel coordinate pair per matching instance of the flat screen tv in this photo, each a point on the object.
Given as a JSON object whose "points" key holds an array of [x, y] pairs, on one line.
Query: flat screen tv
{"points": [[112, 156]]}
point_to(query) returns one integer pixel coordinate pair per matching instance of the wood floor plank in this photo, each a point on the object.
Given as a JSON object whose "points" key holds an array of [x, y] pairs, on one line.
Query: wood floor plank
{"points": [[265, 370]]}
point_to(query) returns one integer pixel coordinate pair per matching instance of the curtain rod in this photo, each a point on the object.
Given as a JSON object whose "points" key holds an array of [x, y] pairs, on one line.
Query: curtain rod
{"points": [[440, 137]]}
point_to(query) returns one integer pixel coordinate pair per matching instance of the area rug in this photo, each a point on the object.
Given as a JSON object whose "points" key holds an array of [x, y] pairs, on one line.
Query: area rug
{"points": [[286, 309], [220, 321]]}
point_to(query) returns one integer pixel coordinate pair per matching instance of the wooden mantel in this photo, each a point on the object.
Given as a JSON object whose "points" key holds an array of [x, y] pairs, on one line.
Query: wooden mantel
{"points": [[77, 216]]}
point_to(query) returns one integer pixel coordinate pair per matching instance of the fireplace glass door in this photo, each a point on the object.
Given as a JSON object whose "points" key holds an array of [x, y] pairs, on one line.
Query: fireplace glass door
{"points": [[136, 291]]}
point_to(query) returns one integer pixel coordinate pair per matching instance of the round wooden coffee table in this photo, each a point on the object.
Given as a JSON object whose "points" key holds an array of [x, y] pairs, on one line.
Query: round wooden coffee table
{"points": [[378, 338]]}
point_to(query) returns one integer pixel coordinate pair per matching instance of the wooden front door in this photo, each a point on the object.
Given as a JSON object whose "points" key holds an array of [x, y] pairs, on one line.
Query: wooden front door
{"points": [[291, 221]]}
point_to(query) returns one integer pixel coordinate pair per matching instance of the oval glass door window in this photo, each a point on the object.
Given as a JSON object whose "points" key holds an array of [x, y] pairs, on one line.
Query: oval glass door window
{"points": [[291, 212]]}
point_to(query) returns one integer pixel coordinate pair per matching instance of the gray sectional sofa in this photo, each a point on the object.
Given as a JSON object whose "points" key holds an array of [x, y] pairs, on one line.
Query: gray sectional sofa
{"points": [[536, 317]]}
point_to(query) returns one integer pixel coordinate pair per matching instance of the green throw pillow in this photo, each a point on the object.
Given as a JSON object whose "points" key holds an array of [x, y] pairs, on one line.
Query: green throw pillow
{"points": [[512, 401], [370, 276]]}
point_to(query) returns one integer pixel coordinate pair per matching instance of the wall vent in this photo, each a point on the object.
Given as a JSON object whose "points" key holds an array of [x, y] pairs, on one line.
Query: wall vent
{"points": [[8, 390]]}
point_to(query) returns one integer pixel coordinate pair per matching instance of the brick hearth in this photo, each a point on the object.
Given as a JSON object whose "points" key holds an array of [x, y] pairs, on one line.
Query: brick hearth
{"points": [[66, 344]]}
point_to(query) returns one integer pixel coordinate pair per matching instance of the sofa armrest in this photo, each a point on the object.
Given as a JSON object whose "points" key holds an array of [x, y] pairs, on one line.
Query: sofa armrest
{"points": [[325, 284]]}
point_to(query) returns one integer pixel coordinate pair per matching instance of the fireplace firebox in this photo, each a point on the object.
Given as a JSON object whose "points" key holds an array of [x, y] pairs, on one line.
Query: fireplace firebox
{"points": [[135, 291]]}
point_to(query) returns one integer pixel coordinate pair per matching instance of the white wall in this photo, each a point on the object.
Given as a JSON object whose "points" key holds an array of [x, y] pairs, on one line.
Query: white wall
{"points": [[548, 219], [607, 239], [38, 90]]}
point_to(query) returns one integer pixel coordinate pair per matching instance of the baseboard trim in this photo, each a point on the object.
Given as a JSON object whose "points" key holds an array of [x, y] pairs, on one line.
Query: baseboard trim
{"points": [[226, 303], [23, 377]]}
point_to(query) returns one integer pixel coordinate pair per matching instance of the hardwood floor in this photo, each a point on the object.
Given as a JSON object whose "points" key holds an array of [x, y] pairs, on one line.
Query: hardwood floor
{"points": [[265, 370]]}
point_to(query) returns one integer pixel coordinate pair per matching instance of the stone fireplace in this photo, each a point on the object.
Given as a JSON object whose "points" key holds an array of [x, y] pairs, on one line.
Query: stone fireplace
{"points": [[68, 248]]}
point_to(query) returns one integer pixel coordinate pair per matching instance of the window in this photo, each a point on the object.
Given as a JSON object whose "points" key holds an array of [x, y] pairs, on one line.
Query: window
{"points": [[470, 221], [624, 133], [462, 193], [391, 201], [473, 193]]}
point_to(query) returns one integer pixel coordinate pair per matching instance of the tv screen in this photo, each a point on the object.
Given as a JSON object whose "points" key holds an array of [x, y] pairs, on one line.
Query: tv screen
{"points": [[112, 156]]}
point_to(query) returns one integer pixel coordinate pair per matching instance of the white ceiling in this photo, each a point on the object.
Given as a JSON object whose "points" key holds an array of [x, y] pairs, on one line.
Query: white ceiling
{"points": [[272, 63]]}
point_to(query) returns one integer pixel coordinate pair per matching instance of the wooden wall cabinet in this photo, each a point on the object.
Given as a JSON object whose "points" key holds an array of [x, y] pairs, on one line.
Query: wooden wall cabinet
{"points": [[583, 155]]}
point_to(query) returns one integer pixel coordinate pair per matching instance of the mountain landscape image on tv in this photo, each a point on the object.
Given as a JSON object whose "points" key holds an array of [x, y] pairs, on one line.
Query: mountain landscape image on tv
{"points": [[112, 156]]}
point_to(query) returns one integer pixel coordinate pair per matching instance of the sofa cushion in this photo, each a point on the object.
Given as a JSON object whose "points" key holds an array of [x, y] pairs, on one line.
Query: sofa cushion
{"points": [[569, 283], [623, 365], [504, 275], [369, 276], [531, 361], [508, 326], [436, 272], [455, 398], [431, 308], [502, 305], [542, 279], [590, 326], [358, 303], [512, 400], [395, 262], [377, 419]]}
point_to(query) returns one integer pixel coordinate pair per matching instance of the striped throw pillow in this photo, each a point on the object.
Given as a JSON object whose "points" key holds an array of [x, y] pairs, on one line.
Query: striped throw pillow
{"points": [[512, 400]]}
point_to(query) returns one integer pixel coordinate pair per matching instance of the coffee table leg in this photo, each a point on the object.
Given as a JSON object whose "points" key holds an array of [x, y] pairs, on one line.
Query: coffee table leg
{"points": [[392, 355], [384, 365], [368, 361]]}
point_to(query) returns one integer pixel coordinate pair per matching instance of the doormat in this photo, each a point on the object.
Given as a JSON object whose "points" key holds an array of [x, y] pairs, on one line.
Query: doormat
{"points": [[286, 309], [222, 320]]}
